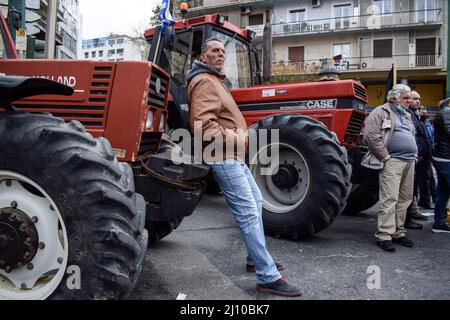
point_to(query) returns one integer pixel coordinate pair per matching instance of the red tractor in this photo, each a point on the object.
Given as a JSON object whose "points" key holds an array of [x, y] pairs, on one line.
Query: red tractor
{"points": [[319, 127], [72, 216]]}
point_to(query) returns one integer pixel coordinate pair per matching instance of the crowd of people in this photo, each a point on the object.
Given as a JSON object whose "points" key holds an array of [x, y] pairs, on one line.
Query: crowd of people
{"points": [[405, 146]]}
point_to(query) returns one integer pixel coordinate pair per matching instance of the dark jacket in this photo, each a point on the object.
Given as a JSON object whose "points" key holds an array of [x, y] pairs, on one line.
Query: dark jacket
{"points": [[424, 144], [442, 134]]}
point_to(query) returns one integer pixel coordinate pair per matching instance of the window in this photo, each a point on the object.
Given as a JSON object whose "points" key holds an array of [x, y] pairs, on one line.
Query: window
{"points": [[382, 48], [119, 51], [100, 53], [86, 55], [111, 52], [93, 54], [426, 10], [111, 42], [297, 15], [256, 19], [344, 50], [237, 64], [120, 41], [342, 13], [383, 6]]}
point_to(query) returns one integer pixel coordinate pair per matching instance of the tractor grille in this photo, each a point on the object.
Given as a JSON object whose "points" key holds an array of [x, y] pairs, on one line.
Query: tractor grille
{"points": [[90, 113], [158, 89], [360, 92], [354, 128]]}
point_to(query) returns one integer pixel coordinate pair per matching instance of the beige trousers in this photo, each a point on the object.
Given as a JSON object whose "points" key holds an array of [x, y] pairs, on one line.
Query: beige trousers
{"points": [[396, 194]]}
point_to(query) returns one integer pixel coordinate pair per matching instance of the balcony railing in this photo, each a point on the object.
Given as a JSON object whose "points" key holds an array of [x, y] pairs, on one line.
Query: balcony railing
{"points": [[204, 4], [357, 64], [377, 21]]}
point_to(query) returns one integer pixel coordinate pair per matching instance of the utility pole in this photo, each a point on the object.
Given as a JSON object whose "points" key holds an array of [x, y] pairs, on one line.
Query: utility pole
{"points": [[267, 52], [16, 24], [50, 34]]}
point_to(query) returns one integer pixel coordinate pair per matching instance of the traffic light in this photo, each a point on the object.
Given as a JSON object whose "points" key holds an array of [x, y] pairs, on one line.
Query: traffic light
{"points": [[35, 48]]}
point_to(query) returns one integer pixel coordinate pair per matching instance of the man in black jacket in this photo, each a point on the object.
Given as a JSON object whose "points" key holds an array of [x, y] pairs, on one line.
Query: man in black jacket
{"points": [[441, 161], [424, 145]]}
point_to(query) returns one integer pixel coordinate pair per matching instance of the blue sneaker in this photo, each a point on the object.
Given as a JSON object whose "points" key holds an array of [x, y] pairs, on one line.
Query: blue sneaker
{"points": [[279, 287]]}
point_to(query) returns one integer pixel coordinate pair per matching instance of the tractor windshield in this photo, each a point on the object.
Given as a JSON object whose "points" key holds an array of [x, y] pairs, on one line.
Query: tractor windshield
{"points": [[237, 62]]}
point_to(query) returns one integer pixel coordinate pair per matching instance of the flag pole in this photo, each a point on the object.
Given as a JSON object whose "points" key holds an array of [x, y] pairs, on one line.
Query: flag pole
{"points": [[394, 68]]}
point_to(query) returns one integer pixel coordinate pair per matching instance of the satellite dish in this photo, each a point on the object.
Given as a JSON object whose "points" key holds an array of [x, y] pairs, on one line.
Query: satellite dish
{"points": [[31, 16]]}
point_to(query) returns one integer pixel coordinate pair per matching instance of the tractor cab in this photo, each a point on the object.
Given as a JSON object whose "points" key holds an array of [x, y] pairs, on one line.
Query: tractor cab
{"points": [[175, 49]]}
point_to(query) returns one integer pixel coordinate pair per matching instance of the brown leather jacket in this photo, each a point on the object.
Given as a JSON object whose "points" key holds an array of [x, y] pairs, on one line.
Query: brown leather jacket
{"points": [[212, 105]]}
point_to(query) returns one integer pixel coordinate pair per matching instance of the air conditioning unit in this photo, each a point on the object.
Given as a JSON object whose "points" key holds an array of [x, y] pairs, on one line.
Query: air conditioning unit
{"points": [[315, 3], [246, 10], [365, 65]]}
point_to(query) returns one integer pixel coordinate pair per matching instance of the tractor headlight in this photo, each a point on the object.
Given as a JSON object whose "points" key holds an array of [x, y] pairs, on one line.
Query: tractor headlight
{"points": [[149, 123], [162, 123]]}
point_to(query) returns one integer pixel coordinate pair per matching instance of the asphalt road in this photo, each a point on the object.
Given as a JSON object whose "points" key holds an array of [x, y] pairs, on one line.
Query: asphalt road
{"points": [[205, 260]]}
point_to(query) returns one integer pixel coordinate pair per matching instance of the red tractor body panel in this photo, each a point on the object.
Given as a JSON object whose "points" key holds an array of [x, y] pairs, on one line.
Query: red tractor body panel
{"points": [[95, 103], [338, 104]]}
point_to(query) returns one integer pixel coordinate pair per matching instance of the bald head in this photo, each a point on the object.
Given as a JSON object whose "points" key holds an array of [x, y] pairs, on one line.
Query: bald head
{"points": [[415, 100]]}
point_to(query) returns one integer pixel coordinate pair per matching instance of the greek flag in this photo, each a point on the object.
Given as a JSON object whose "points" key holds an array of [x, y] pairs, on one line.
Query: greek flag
{"points": [[164, 14]]}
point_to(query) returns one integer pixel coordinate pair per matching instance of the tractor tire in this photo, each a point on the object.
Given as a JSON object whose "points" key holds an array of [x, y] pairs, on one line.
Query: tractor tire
{"points": [[365, 189], [158, 230], [312, 184], [71, 207], [362, 197]]}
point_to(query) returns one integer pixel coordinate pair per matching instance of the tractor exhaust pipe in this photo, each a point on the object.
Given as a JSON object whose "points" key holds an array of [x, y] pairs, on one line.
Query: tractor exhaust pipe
{"points": [[267, 52]]}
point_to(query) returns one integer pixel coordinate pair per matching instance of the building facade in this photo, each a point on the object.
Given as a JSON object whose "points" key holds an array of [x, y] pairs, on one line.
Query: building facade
{"points": [[113, 48], [68, 27], [361, 38]]}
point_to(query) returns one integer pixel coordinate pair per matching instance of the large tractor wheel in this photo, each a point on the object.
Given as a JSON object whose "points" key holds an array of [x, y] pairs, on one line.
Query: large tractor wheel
{"points": [[311, 186], [158, 230], [365, 189], [362, 197], [71, 225]]}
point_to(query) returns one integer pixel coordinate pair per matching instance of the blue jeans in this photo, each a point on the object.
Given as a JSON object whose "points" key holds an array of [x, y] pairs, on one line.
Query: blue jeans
{"points": [[245, 202], [443, 191]]}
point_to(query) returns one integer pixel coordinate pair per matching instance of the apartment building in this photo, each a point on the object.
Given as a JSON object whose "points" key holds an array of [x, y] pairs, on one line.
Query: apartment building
{"points": [[361, 38], [68, 27], [113, 48]]}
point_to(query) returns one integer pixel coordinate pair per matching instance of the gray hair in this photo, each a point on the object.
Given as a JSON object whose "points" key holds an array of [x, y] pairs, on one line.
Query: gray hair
{"points": [[396, 91], [206, 43]]}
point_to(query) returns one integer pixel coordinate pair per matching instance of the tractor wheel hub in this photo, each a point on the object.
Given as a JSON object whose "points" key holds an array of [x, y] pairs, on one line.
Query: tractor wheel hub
{"points": [[18, 239]]}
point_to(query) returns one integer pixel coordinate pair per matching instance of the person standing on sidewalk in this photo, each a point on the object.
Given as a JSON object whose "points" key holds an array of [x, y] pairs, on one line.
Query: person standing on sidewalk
{"points": [[389, 134], [213, 109], [427, 188], [423, 164], [441, 162]]}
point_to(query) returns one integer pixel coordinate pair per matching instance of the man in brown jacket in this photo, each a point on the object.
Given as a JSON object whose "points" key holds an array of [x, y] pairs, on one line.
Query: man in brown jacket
{"points": [[389, 134], [214, 113]]}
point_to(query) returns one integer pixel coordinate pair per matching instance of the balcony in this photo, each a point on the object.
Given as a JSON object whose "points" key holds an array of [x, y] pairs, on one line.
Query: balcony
{"points": [[358, 64], [359, 23], [201, 7]]}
